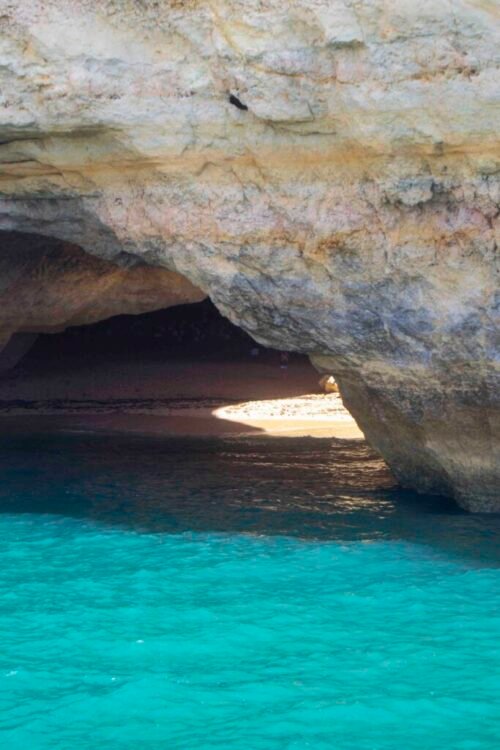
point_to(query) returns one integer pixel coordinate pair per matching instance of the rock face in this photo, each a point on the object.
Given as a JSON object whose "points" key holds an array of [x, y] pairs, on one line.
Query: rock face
{"points": [[326, 170], [47, 285]]}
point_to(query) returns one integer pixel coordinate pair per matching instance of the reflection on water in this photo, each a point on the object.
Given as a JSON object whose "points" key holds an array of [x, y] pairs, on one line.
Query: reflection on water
{"points": [[309, 488], [252, 594]]}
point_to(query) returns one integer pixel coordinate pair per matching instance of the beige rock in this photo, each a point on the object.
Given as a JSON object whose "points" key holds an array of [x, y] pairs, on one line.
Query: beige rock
{"points": [[47, 285], [328, 385], [345, 204]]}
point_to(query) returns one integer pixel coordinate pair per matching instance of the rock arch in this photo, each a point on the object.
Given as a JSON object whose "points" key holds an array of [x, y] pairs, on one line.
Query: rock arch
{"points": [[351, 212]]}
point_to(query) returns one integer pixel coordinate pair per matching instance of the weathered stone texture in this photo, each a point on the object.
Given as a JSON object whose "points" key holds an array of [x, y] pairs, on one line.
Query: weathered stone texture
{"points": [[347, 208], [47, 285]]}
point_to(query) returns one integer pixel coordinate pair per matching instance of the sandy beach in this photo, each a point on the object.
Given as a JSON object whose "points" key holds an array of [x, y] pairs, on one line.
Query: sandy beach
{"points": [[178, 396]]}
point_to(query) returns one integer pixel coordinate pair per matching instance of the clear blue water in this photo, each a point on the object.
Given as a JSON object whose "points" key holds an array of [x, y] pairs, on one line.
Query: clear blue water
{"points": [[254, 594]]}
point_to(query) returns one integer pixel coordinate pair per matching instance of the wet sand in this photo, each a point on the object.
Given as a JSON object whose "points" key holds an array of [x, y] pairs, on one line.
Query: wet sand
{"points": [[175, 397]]}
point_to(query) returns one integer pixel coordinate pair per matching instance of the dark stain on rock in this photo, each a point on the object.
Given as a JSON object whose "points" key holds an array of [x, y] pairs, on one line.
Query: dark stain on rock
{"points": [[237, 103]]}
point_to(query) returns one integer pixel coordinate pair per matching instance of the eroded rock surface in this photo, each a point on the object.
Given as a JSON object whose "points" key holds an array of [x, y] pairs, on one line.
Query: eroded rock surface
{"points": [[326, 170], [47, 285]]}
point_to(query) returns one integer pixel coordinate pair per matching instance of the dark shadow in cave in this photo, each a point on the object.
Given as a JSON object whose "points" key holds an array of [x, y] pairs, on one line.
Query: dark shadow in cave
{"points": [[187, 351], [145, 360]]}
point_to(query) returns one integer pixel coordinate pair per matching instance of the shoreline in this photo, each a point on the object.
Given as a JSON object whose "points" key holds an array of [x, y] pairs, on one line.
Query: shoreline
{"points": [[292, 417], [183, 396]]}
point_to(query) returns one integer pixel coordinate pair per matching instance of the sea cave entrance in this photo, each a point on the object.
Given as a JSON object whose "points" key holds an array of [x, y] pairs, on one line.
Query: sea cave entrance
{"points": [[184, 361], [68, 350]]}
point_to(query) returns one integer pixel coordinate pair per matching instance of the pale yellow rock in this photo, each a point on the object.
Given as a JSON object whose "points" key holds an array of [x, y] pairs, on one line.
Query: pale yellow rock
{"points": [[328, 384], [345, 204], [48, 285]]}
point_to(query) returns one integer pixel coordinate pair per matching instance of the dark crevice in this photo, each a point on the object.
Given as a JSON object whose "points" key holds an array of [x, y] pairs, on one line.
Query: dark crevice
{"points": [[237, 103]]}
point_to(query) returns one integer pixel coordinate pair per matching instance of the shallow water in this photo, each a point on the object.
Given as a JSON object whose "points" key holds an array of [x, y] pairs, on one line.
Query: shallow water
{"points": [[251, 593]]}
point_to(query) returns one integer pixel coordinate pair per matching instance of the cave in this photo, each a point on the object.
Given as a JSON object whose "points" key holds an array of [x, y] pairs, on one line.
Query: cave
{"points": [[374, 337], [84, 336], [249, 374], [323, 208], [136, 356]]}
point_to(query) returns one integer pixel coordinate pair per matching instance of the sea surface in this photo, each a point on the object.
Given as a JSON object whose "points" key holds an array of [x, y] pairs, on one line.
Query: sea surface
{"points": [[246, 594]]}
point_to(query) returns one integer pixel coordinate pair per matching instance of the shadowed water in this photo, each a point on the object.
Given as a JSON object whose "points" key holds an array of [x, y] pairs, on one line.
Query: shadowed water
{"points": [[244, 593]]}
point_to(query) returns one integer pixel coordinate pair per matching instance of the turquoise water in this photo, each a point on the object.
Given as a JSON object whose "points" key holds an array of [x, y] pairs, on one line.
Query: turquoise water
{"points": [[253, 594]]}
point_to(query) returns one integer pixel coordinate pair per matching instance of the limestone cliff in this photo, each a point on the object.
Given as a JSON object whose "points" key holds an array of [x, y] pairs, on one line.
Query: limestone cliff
{"points": [[326, 170]]}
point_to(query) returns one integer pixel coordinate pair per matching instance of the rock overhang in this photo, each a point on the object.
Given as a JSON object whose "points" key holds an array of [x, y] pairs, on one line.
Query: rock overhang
{"points": [[350, 212]]}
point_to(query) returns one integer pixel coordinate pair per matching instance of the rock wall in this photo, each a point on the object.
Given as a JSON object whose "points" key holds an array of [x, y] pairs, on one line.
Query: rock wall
{"points": [[326, 170], [47, 285]]}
